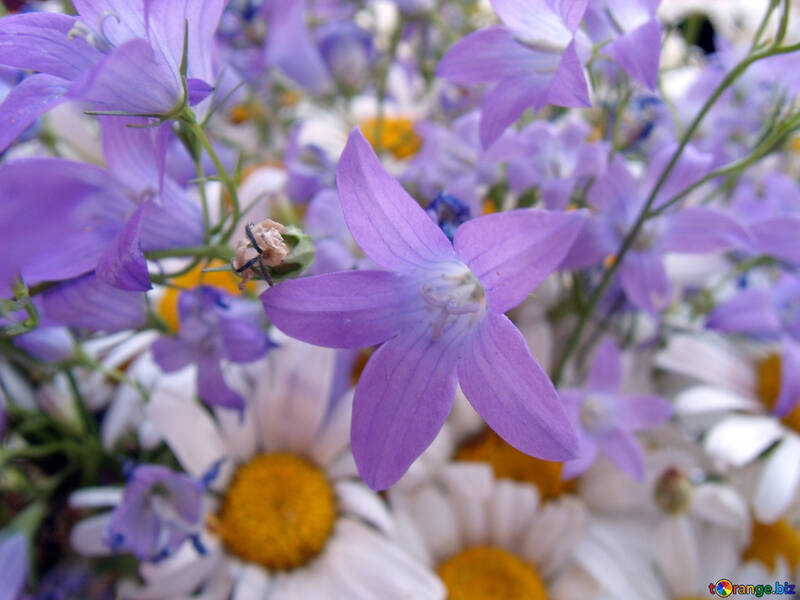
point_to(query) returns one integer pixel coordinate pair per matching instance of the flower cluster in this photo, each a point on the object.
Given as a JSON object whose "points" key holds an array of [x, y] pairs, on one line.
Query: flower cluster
{"points": [[398, 298]]}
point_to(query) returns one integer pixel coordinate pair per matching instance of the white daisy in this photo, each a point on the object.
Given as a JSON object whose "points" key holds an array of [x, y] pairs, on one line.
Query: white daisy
{"points": [[286, 516]]}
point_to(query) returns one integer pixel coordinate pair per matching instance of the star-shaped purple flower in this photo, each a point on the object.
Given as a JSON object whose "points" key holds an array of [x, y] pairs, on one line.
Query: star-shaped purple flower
{"points": [[607, 419], [437, 310]]}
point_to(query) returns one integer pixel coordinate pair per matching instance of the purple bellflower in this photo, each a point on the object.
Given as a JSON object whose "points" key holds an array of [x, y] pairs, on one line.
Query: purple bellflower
{"points": [[618, 199], [13, 566], [631, 34], [606, 419], [214, 326], [534, 60], [335, 248], [160, 509], [118, 55], [554, 158], [437, 311], [773, 216], [770, 313], [89, 227]]}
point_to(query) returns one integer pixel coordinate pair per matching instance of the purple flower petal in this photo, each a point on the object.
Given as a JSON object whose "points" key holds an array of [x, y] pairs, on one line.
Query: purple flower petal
{"points": [[487, 56], [351, 309], [638, 52], [605, 375], [212, 388], [40, 41], [506, 103], [133, 153], [89, 303], [133, 79], [587, 454], [568, 86], [691, 166], [789, 394], [27, 102], [616, 192], [750, 311], [401, 402], [777, 236], [624, 450], [123, 264], [596, 241], [13, 566], [513, 252], [384, 220], [510, 391], [636, 413], [173, 354], [703, 229], [49, 344], [541, 20], [244, 338], [290, 47], [198, 90], [173, 222], [644, 279]]}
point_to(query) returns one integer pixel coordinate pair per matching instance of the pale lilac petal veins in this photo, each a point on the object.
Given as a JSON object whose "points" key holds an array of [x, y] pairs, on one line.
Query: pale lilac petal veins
{"points": [[401, 402], [513, 252], [128, 19], [568, 86], [703, 229], [623, 449], [637, 413], [777, 237], [123, 264], [638, 52], [212, 387], [605, 374], [351, 309], [571, 11], [89, 303], [130, 149], [750, 311], [290, 47], [587, 454], [27, 102], [789, 394], [510, 391], [173, 354], [133, 79], [40, 41], [388, 224], [644, 279], [596, 241], [487, 56]]}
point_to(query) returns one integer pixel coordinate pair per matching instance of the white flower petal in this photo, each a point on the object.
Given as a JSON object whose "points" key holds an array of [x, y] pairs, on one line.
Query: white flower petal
{"points": [[705, 398], [739, 439], [436, 522], [334, 438], [357, 500], [676, 554], [721, 505], [510, 508], [86, 536], [778, 484], [252, 583], [95, 497]]}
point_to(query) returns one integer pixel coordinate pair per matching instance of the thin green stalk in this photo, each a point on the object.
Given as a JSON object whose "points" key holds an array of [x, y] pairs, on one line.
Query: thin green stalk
{"points": [[644, 213]]}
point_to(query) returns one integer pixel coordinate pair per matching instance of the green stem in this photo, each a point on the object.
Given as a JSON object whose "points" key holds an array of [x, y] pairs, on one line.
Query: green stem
{"points": [[644, 213]]}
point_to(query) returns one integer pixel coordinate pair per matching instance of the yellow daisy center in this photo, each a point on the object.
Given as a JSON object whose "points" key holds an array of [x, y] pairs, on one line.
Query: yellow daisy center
{"points": [[394, 135], [487, 573], [771, 541], [769, 387], [278, 512], [509, 463]]}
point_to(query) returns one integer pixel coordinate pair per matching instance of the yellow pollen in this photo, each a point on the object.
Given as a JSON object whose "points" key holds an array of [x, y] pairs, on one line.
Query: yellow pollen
{"points": [[358, 365], [278, 512], [249, 111], [771, 541], [609, 261], [397, 136], [769, 387], [489, 206], [487, 573], [168, 305], [794, 144], [509, 463]]}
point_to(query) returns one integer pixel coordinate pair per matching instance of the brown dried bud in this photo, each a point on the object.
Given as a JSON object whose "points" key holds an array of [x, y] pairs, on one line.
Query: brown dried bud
{"points": [[263, 247]]}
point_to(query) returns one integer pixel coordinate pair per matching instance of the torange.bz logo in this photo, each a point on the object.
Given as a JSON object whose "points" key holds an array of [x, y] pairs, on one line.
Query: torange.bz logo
{"points": [[723, 588]]}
